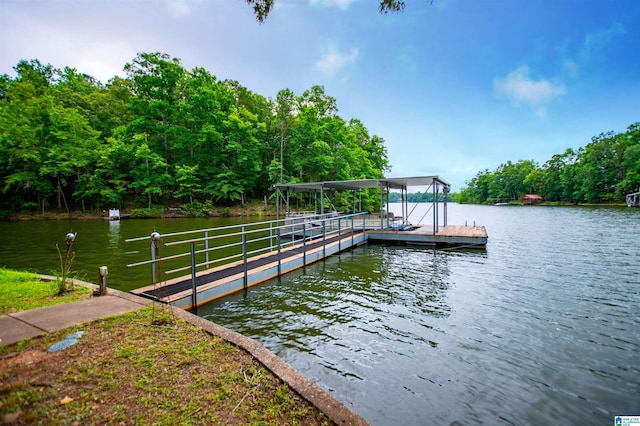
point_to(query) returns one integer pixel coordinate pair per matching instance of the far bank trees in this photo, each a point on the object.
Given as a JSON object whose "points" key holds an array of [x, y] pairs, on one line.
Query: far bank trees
{"points": [[603, 171], [166, 135]]}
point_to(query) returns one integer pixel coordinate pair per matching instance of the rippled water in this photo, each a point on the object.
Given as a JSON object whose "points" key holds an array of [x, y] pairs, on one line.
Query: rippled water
{"points": [[543, 327]]}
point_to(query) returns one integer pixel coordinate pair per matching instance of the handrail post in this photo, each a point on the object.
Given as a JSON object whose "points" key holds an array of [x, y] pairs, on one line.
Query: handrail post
{"points": [[206, 250], [244, 257], [304, 244], [155, 241], [353, 230], [153, 262], [339, 236], [194, 293], [279, 254], [324, 237]]}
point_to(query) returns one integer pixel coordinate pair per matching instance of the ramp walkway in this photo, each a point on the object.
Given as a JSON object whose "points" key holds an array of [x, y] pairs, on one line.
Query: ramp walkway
{"points": [[252, 253], [248, 255]]}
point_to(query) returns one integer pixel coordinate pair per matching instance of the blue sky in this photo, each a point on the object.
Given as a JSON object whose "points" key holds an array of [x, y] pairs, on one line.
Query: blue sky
{"points": [[453, 86]]}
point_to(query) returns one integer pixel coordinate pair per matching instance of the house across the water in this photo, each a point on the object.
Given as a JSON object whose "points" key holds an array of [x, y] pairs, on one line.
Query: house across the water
{"points": [[531, 199]]}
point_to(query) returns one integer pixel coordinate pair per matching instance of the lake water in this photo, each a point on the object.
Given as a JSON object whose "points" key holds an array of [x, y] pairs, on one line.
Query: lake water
{"points": [[31, 246], [541, 327]]}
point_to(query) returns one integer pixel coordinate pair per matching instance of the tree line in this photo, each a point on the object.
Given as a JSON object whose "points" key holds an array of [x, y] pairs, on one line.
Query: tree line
{"points": [[602, 172], [164, 134]]}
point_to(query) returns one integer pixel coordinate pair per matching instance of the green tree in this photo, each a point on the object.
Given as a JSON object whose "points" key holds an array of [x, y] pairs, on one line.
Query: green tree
{"points": [[149, 172], [188, 182], [262, 8], [158, 83]]}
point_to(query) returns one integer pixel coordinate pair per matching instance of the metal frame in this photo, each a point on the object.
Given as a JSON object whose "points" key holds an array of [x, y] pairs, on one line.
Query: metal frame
{"points": [[435, 183]]}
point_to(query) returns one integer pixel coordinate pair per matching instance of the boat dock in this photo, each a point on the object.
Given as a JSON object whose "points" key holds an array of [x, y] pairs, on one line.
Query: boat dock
{"points": [[633, 199], [446, 236], [248, 254]]}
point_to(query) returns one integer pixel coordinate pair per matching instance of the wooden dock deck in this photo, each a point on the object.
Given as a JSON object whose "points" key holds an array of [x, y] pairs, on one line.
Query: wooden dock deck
{"points": [[447, 236]]}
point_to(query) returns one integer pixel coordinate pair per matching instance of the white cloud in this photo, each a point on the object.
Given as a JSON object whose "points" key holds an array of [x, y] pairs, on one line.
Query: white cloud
{"points": [[519, 88], [571, 68], [179, 8], [332, 60], [342, 4], [102, 56], [595, 44]]}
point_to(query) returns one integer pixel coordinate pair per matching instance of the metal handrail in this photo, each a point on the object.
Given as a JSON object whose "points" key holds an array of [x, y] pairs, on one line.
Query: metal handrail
{"points": [[291, 229], [294, 227]]}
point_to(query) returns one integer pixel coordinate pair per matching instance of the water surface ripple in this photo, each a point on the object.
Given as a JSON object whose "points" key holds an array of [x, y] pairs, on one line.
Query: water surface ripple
{"points": [[542, 326]]}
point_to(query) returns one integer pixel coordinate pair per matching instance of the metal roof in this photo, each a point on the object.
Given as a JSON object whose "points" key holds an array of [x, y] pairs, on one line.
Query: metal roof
{"points": [[393, 183]]}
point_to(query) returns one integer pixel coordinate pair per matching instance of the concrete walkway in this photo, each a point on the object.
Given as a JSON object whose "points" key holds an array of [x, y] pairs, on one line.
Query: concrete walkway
{"points": [[28, 324], [16, 327]]}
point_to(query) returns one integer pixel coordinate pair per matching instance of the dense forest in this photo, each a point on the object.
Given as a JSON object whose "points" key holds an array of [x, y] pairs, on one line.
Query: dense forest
{"points": [[167, 136], [601, 172]]}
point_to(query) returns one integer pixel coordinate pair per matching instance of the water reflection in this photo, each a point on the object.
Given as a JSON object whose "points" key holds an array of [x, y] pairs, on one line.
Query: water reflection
{"points": [[114, 234]]}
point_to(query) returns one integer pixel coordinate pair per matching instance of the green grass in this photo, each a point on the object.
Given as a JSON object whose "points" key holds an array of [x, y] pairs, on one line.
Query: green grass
{"points": [[21, 291]]}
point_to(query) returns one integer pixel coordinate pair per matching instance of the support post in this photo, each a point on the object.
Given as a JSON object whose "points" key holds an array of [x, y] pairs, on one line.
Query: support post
{"points": [[102, 272], [244, 258], [206, 249], [353, 226], [278, 195], [194, 292], [279, 254], [381, 207], [387, 209], [304, 244], [155, 241], [153, 262], [445, 190], [435, 210], [324, 237]]}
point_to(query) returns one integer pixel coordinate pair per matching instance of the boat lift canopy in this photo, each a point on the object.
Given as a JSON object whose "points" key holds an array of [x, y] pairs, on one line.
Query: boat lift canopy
{"points": [[385, 184]]}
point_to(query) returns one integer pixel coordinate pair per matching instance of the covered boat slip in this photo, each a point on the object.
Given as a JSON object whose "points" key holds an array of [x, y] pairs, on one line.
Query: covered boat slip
{"points": [[385, 226], [386, 185], [252, 253]]}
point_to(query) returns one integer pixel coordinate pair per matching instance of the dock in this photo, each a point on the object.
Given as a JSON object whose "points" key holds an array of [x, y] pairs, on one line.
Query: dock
{"points": [[214, 283], [249, 254], [633, 199], [446, 236]]}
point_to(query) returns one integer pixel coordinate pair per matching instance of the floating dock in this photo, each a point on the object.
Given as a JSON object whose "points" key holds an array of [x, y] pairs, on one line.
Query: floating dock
{"points": [[266, 250], [446, 236], [214, 283]]}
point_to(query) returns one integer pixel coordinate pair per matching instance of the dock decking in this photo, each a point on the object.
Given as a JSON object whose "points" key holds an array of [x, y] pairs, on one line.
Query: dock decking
{"points": [[452, 235]]}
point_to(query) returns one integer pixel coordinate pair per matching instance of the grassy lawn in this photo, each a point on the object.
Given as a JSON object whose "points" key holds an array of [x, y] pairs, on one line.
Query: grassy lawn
{"points": [[21, 291], [145, 367]]}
